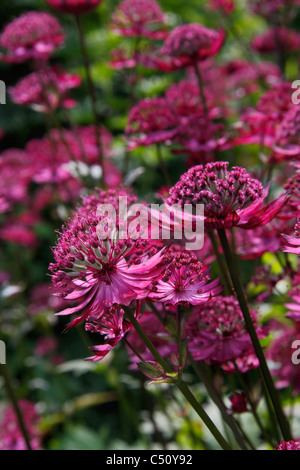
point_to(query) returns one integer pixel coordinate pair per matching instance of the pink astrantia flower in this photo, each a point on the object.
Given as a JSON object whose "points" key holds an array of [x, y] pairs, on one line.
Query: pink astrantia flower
{"points": [[289, 445], [244, 364], [113, 327], [33, 35], [287, 143], [224, 5], [294, 304], [11, 437], [267, 42], [293, 242], [191, 43], [14, 190], [230, 197], [45, 90], [238, 403], [261, 125], [184, 281], [75, 7], [139, 18], [158, 334], [153, 120], [280, 353], [273, 10], [217, 332], [97, 270]]}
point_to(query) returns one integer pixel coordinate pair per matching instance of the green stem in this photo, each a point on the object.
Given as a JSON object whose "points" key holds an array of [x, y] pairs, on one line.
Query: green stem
{"points": [[252, 405], [12, 396], [267, 378], [181, 385], [90, 83], [163, 166], [201, 87], [221, 263], [214, 395]]}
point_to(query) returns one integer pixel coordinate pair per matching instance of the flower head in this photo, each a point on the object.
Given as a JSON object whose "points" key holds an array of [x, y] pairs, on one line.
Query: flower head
{"points": [[293, 242], [230, 197], [113, 327], [272, 9], [75, 7], [184, 281], [97, 269], [154, 121], [217, 332], [45, 90], [289, 445], [139, 18], [192, 43], [287, 143], [11, 437], [279, 353], [238, 402], [33, 35], [267, 42], [224, 5]]}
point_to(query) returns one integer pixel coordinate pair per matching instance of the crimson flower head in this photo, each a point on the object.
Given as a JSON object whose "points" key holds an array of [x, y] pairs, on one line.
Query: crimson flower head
{"points": [[192, 43], [75, 7], [139, 18], [293, 242], [185, 280], [96, 269], [113, 327], [272, 9], [224, 5], [238, 402], [45, 90], [33, 35], [230, 197], [11, 436], [153, 120], [289, 445], [267, 42], [287, 143], [217, 331]]}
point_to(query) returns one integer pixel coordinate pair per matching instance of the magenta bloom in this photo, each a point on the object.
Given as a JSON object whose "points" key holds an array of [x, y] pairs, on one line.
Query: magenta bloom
{"points": [[225, 5], [33, 35], [217, 332], [265, 122], [75, 7], [157, 332], [230, 197], [153, 120], [267, 43], [289, 445], [45, 90], [280, 354], [139, 18], [14, 190], [293, 242], [273, 9], [113, 327], [11, 437], [287, 143], [238, 403], [97, 271], [184, 281], [192, 43]]}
